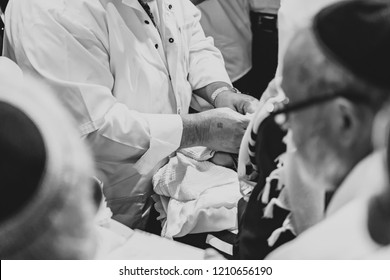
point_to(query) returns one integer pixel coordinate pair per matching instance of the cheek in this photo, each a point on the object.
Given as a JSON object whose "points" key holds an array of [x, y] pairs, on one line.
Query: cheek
{"points": [[305, 139], [299, 132]]}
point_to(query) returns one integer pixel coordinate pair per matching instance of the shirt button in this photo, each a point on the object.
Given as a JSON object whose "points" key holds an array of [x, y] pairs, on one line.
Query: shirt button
{"points": [[171, 40], [170, 6], [146, 21], [178, 111], [156, 46]]}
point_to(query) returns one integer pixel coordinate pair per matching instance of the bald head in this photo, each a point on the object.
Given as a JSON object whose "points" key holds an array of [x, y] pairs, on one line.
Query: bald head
{"points": [[306, 68], [331, 137], [310, 70]]}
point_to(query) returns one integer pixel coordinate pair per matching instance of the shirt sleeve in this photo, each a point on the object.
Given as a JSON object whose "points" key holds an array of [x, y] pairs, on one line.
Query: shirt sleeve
{"points": [[265, 6], [206, 64], [72, 58]]}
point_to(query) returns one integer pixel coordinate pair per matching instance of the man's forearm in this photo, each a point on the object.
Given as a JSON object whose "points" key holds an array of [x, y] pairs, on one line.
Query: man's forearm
{"points": [[207, 91], [219, 129], [194, 130]]}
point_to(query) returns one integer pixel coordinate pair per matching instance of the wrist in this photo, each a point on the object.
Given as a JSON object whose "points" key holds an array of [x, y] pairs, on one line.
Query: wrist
{"points": [[195, 130], [219, 93]]}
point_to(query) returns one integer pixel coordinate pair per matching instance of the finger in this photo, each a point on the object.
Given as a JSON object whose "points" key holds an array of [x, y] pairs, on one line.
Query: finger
{"points": [[223, 159], [250, 107]]}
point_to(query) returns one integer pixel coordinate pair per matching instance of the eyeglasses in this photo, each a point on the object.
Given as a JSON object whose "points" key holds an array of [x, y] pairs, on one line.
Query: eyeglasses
{"points": [[279, 109]]}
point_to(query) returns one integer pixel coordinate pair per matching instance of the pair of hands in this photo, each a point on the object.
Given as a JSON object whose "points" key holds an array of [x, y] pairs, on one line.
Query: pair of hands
{"points": [[228, 122], [220, 129]]}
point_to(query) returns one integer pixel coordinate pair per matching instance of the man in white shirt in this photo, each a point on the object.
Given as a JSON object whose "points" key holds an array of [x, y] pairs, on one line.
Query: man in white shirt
{"points": [[127, 72], [51, 208]]}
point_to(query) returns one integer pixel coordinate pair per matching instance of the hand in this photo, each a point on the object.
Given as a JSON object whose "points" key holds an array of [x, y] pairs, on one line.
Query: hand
{"points": [[225, 159], [225, 129], [238, 102], [218, 129]]}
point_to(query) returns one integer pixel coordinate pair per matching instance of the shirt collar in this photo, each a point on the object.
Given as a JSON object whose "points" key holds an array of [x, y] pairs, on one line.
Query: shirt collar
{"points": [[133, 4]]}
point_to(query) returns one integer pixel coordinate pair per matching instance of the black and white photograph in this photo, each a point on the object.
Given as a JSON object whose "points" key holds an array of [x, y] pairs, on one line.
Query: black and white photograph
{"points": [[226, 136]]}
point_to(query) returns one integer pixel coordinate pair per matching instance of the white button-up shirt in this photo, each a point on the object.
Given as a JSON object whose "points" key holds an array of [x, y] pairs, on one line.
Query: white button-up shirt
{"points": [[103, 59]]}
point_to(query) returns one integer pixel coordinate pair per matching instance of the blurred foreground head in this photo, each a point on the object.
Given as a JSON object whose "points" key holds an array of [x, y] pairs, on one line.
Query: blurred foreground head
{"points": [[379, 206], [46, 209], [339, 66]]}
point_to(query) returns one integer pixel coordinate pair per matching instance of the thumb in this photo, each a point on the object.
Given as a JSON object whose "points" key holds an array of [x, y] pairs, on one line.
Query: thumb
{"points": [[250, 106]]}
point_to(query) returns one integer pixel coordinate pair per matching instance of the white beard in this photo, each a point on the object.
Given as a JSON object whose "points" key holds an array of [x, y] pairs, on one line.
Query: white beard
{"points": [[310, 175]]}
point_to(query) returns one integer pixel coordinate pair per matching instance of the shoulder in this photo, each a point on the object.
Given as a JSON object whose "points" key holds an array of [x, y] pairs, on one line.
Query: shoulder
{"points": [[80, 18], [60, 11]]}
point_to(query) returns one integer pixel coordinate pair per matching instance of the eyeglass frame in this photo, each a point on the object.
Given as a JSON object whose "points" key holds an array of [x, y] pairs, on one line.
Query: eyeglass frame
{"points": [[284, 106]]}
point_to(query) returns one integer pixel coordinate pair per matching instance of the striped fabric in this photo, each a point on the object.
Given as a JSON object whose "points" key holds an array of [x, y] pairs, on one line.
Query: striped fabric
{"points": [[264, 217]]}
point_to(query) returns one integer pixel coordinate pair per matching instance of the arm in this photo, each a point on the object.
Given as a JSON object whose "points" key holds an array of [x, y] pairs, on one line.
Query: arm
{"points": [[219, 129], [207, 70], [73, 61]]}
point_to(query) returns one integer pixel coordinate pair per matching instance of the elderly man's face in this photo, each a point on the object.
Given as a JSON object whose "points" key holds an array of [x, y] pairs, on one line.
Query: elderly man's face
{"points": [[311, 133], [315, 129]]}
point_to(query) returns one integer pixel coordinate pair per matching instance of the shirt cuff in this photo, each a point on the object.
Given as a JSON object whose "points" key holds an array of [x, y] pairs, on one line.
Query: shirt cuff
{"points": [[165, 137]]}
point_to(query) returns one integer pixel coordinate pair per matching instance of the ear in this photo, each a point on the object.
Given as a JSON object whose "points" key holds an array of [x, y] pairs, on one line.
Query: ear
{"points": [[347, 123]]}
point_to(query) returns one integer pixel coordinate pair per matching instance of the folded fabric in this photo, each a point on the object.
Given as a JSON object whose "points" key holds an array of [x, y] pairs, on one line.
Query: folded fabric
{"points": [[195, 195]]}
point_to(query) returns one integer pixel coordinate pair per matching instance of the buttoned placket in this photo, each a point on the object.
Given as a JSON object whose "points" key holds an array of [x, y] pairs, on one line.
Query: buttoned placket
{"points": [[163, 42], [167, 16]]}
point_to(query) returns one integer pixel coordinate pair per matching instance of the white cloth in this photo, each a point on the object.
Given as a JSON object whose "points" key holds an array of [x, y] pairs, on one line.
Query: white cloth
{"points": [[118, 242], [382, 254], [100, 59], [247, 181], [343, 234], [368, 178], [195, 194], [143, 246]]}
